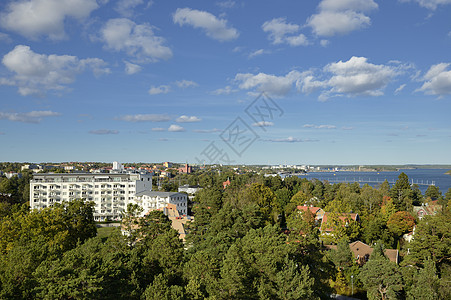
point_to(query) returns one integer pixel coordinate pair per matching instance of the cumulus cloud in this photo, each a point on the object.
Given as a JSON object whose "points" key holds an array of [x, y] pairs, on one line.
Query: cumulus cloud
{"points": [[29, 117], [225, 91], [263, 124], [162, 89], [187, 119], [36, 18], [437, 81], [341, 16], [350, 78], [126, 7], [185, 83], [268, 83], [291, 139], [145, 118], [281, 32], [36, 73], [319, 126], [175, 128], [138, 41], [103, 131], [430, 4], [212, 26], [131, 68]]}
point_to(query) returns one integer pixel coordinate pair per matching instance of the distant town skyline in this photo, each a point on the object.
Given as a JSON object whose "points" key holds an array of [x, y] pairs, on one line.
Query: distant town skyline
{"points": [[344, 82]]}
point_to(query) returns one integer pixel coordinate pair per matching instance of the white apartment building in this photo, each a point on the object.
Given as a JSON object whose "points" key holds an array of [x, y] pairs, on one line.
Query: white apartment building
{"points": [[111, 192], [150, 200]]}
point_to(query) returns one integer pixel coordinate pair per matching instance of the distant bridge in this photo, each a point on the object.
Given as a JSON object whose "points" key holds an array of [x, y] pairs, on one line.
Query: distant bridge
{"points": [[376, 181]]}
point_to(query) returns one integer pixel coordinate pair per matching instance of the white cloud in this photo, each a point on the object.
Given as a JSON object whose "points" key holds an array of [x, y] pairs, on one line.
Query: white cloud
{"points": [[207, 130], [5, 38], [103, 131], [319, 126], [29, 117], [126, 7], [341, 16], [271, 84], [36, 73], [263, 124], [185, 83], [291, 139], [214, 28], [226, 4], [131, 68], [35, 18], [162, 89], [437, 81], [175, 128], [145, 118], [225, 91], [324, 43], [400, 88], [138, 41], [282, 32], [187, 119], [351, 78], [256, 53], [430, 4]]}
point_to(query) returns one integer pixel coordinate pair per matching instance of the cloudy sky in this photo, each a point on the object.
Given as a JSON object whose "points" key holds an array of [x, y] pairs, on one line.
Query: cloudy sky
{"points": [[256, 82]]}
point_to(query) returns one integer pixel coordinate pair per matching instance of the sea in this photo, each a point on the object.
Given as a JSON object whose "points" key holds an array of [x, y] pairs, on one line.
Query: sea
{"points": [[422, 177]]}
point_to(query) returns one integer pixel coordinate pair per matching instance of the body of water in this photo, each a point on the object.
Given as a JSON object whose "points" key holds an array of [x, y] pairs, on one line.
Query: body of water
{"points": [[422, 177]]}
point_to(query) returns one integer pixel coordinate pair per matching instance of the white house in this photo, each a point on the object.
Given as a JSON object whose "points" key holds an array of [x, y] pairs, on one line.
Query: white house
{"points": [[155, 200], [111, 192]]}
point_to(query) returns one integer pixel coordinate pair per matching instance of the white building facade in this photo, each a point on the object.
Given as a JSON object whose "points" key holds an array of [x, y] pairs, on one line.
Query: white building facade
{"points": [[111, 192], [156, 200]]}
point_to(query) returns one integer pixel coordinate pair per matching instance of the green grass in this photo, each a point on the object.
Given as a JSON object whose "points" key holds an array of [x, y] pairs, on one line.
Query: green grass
{"points": [[105, 232]]}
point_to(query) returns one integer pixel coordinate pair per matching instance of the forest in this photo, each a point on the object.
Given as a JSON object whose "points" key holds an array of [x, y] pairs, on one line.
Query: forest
{"points": [[248, 240]]}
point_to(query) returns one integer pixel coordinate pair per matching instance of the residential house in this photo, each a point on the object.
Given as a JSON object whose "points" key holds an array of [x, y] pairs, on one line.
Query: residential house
{"points": [[318, 212], [361, 252], [427, 209]]}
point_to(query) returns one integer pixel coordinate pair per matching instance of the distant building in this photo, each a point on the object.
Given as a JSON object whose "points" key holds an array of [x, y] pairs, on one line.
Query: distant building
{"points": [[189, 189], [226, 183], [186, 169], [167, 164], [155, 200], [117, 166], [111, 192]]}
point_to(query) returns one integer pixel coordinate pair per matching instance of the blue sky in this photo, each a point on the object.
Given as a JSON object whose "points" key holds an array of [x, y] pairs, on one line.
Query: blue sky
{"points": [[255, 82]]}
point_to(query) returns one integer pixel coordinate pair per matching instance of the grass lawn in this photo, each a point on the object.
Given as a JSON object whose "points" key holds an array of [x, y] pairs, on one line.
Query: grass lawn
{"points": [[105, 232]]}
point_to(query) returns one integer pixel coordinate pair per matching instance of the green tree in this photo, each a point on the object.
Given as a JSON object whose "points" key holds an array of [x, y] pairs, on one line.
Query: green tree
{"points": [[380, 277], [400, 222], [401, 193], [432, 239], [426, 283], [433, 192]]}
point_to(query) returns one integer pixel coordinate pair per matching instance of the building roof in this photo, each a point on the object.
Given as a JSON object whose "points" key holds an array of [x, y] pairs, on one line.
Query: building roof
{"points": [[159, 194], [360, 250], [314, 210]]}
